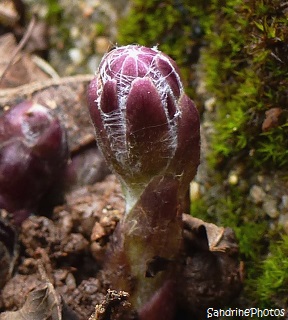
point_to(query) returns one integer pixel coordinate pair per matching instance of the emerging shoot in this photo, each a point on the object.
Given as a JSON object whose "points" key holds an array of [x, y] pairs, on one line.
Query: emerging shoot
{"points": [[148, 131], [33, 156]]}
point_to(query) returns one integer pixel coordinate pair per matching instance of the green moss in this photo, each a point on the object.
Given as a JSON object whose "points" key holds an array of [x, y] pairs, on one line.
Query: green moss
{"points": [[229, 210], [54, 11], [100, 29], [272, 146], [56, 17], [263, 251], [175, 26], [265, 258], [272, 284], [246, 69]]}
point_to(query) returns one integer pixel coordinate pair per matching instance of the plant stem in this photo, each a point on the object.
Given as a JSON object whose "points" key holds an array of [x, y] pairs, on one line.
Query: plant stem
{"points": [[151, 238]]}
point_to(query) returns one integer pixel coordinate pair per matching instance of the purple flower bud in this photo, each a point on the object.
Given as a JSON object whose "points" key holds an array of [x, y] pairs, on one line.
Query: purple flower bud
{"points": [[33, 154], [145, 123], [148, 130]]}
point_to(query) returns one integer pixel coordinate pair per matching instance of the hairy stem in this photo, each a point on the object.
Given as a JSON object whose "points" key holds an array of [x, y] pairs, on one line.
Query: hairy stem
{"points": [[151, 238]]}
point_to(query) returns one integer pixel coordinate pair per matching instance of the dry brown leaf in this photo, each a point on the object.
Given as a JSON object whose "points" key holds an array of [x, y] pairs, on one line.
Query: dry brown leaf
{"points": [[8, 14], [23, 70], [213, 232], [41, 304]]}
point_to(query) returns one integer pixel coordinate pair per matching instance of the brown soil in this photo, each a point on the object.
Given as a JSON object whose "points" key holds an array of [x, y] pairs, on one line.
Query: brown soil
{"points": [[70, 246]]}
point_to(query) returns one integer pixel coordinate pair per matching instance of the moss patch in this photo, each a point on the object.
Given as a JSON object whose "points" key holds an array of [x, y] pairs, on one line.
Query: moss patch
{"points": [[246, 68], [273, 282], [175, 26], [227, 208], [264, 252]]}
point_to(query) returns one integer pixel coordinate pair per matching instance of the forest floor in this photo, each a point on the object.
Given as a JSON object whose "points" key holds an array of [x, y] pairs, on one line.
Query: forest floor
{"points": [[57, 256]]}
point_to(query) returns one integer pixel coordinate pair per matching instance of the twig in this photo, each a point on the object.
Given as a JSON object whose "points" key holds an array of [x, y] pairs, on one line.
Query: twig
{"points": [[27, 90]]}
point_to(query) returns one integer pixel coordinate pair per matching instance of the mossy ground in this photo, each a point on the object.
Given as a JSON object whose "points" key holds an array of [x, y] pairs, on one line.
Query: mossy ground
{"points": [[171, 25], [246, 69], [263, 251], [244, 56]]}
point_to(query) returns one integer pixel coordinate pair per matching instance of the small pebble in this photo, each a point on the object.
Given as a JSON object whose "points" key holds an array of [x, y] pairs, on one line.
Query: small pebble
{"points": [[97, 232], [283, 221], [93, 63], [210, 104], [67, 224], [70, 281], [194, 191], [233, 179], [75, 55], [284, 202], [257, 194], [102, 45], [74, 32], [270, 208]]}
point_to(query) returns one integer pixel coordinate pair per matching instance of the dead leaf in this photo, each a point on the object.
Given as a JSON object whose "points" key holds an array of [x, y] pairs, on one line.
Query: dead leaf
{"points": [[214, 234], [272, 119], [8, 14], [41, 304], [23, 70], [44, 303]]}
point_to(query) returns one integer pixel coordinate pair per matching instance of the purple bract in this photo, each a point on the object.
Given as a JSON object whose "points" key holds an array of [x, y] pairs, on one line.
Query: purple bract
{"points": [[145, 123]]}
